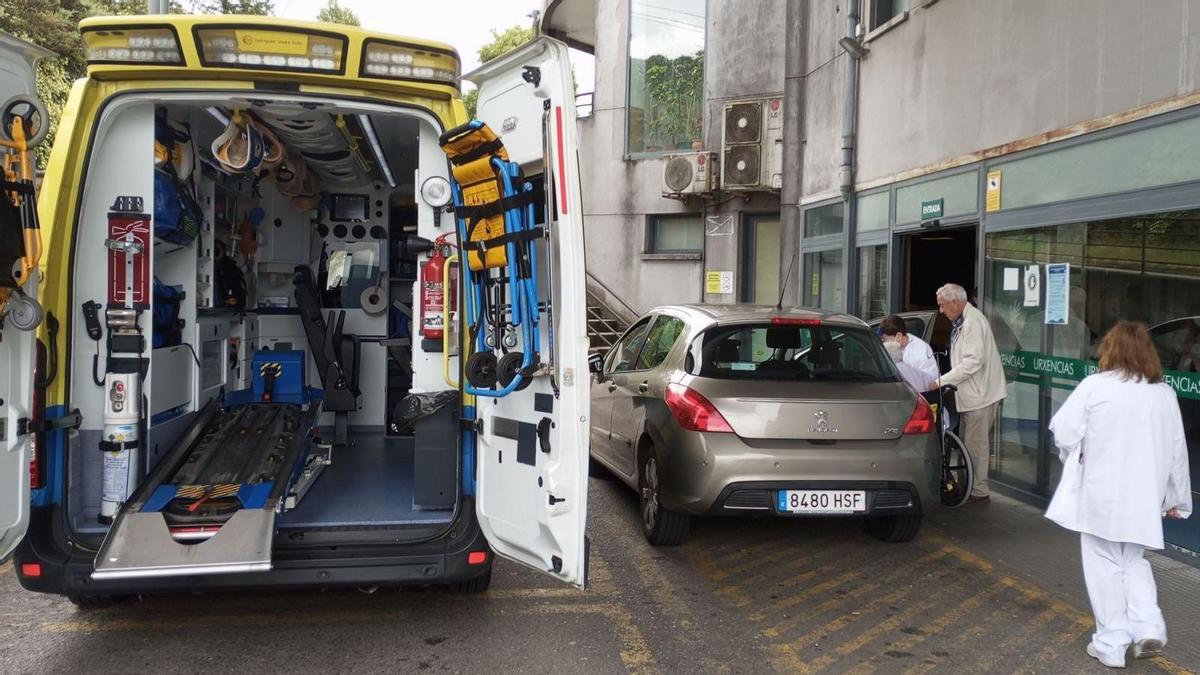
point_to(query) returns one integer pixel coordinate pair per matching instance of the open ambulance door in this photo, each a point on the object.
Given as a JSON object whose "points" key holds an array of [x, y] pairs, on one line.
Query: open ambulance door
{"points": [[18, 349], [531, 454]]}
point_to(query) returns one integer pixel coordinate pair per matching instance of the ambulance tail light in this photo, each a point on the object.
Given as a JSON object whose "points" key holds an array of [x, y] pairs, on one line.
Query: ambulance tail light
{"points": [[147, 45], [394, 61], [272, 49]]}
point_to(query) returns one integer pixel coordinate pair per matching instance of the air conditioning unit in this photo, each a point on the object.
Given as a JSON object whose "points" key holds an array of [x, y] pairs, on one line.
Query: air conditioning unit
{"points": [[688, 174], [752, 145]]}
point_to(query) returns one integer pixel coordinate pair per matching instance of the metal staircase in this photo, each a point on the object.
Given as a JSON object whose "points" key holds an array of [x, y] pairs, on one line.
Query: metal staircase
{"points": [[607, 316]]}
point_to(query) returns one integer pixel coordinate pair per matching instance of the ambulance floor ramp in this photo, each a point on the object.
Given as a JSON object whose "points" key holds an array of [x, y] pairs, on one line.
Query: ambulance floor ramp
{"points": [[210, 506]]}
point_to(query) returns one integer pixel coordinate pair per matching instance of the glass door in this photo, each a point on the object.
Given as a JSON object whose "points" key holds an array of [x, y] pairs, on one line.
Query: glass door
{"points": [[760, 259]]}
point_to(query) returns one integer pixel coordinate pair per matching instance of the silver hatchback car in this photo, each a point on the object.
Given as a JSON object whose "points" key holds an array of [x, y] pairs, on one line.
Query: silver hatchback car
{"points": [[739, 409]]}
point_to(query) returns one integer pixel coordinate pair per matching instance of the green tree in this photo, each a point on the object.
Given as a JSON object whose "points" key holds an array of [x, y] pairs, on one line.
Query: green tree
{"points": [[501, 44], [333, 12], [259, 7]]}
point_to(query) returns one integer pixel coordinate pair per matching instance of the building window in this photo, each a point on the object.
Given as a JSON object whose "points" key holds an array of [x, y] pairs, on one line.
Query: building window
{"points": [[823, 282], [675, 234], [883, 11], [872, 282], [823, 220], [760, 259], [666, 75], [1143, 268]]}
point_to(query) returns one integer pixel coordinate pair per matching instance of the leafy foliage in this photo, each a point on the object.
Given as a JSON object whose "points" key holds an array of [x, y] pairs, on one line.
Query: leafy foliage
{"points": [[333, 12], [53, 24], [258, 7], [505, 42], [501, 44], [674, 99]]}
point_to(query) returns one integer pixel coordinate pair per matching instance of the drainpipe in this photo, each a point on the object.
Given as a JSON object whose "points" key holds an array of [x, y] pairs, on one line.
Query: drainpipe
{"points": [[846, 170]]}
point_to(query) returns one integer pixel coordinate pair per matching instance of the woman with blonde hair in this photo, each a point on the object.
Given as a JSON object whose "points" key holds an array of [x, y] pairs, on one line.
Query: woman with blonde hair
{"points": [[1125, 468]]}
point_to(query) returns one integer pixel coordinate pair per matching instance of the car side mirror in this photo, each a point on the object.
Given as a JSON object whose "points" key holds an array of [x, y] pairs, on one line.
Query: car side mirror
{"points": [[596, 365]]}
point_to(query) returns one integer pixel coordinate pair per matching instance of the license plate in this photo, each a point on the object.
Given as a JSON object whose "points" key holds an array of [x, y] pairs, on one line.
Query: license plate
{"points": [[822, 501]]}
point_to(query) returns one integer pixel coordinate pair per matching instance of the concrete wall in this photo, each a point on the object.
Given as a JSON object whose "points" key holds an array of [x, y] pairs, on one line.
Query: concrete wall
{"points": [[966, 75], [744, 58]]}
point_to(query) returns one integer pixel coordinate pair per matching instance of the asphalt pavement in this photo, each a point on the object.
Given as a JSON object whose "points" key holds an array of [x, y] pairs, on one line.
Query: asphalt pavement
{"points": [[993, 589]]}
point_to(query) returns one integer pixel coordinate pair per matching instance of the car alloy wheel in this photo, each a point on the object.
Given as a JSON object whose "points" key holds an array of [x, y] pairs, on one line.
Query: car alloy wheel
{"points": [[650, 493]]}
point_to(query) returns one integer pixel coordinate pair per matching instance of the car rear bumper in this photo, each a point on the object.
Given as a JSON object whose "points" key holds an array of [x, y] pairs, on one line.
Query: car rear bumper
{"points": [[705, 472], [67, 569], [759, 498]]}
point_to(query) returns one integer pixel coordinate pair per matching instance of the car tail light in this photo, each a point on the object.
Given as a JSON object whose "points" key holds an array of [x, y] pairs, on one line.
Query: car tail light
{"points": [[794, 321], [694, 412], [37, 439], [922, 420], [476, 557], [31, 570]]}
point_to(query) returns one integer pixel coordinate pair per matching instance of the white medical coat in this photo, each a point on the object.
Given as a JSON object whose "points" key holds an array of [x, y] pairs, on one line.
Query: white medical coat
{"points": [[919, 355], [1125, 460]]}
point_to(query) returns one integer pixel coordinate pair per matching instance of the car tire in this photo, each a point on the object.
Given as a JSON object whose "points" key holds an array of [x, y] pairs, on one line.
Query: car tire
{"points": [[470, 586], [661, 526], [894, 529]]}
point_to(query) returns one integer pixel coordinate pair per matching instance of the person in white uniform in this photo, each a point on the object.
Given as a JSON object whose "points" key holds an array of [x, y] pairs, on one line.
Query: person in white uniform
{"points": [[915, 378], [917, 352], [1125, 467]]}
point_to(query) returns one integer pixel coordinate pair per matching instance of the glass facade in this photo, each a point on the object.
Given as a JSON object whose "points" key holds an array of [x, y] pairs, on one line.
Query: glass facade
{"points": [[823, 220], [823, 283], [872, 282], [665, 103], [1144, 268]]}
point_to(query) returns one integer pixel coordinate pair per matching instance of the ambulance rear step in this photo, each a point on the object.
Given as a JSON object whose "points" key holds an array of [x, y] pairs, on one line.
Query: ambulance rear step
{"points": [[245, 459]]}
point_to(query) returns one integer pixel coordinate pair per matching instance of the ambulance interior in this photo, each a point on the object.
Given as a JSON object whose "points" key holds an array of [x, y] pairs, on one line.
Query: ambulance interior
{"points": [[330, 266]]}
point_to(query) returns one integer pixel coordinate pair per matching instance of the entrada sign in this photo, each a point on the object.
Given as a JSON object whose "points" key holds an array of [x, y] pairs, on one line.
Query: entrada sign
{"points": [[931, 208]]}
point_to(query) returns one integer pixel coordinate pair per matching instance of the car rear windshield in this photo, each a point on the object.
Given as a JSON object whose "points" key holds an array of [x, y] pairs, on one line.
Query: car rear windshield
{"points": [[799, 353]]}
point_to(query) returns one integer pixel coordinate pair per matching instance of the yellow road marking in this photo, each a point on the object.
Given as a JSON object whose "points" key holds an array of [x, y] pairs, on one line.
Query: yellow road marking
{"points": [[635, 652], [954, 612], [762, 561], [789, 652], [778, 629], [973, 631]]}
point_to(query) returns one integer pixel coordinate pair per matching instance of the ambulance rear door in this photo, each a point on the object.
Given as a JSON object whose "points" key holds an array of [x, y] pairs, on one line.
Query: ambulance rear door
{"points": [[17, 353], [532, 445]]}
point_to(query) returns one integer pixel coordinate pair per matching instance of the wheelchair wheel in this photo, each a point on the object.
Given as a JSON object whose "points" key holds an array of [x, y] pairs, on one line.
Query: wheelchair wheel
{"points": [[33, 116], [958, 474]]}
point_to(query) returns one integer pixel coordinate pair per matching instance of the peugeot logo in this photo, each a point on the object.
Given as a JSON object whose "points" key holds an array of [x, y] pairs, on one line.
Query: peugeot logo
{"points": [[822, 424]]}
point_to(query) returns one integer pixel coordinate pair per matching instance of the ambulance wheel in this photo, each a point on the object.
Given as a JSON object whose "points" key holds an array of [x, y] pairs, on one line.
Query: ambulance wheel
{"points": [[23, 312], [33, 116], [87, 602], [481, 370], [509, 367], [477, 585]]}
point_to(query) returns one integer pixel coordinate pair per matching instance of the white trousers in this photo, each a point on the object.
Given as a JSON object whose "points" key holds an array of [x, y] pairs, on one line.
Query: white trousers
{"points": [[1120, 585]]}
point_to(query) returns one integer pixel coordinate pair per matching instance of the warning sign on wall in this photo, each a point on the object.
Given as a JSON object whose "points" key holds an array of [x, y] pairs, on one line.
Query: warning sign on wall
{"points": [[993, 191]]}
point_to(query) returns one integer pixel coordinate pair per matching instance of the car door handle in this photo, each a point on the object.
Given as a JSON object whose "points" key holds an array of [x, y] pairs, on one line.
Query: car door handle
{"points": [[643, 387]]}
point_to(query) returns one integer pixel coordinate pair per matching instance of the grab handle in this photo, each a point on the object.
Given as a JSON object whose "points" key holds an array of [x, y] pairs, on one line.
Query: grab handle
{"points": [[446, 319]]}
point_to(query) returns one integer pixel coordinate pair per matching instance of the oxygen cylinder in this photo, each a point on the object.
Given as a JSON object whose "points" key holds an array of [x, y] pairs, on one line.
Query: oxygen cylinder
{"points": [[122, 400]]}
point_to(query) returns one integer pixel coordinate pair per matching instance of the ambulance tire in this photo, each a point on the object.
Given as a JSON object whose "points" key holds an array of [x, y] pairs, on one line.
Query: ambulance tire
{"points": [[27, 107], [477, 585]]}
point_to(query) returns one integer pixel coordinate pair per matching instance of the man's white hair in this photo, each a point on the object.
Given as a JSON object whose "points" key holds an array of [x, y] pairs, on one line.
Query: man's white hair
{"points": [[952, 293]]}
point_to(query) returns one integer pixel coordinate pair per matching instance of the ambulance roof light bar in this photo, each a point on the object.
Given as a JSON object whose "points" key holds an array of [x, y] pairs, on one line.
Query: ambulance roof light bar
{"points": [[144, 44]]}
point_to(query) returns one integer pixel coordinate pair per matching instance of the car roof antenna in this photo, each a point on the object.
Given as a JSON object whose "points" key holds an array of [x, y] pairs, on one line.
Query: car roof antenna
{"points": [[786, 278]]}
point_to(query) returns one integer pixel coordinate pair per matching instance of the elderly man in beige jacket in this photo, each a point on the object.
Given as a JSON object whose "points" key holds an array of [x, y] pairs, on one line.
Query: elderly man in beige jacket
{"points": [[976, 370]]}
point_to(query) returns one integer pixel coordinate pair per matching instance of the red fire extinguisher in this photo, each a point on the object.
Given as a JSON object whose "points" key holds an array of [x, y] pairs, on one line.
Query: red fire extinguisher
{"points": [[433, 296]]}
